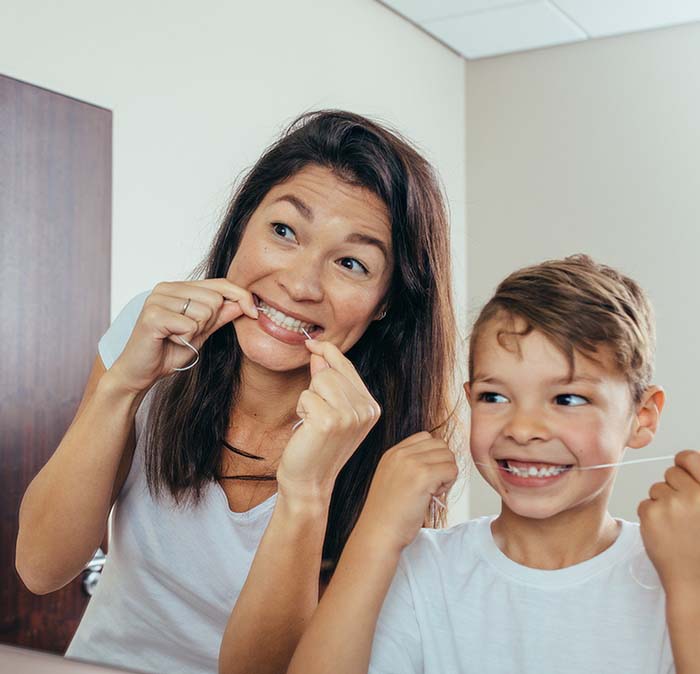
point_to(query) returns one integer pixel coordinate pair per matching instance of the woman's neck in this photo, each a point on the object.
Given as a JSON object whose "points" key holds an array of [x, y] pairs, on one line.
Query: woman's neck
{"points": [[556, 542], [266, 402]]}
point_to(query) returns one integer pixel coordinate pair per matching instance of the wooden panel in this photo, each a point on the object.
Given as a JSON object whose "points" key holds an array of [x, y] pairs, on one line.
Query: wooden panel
{"points": [[55, 237]]}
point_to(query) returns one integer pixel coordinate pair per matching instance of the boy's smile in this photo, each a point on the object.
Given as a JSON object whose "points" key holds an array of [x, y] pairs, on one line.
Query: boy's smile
{"points": [[534, 422]]}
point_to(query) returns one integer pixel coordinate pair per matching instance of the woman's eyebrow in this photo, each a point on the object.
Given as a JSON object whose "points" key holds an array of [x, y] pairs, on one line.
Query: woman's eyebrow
{"points": [[303, 208], [357, 237]]}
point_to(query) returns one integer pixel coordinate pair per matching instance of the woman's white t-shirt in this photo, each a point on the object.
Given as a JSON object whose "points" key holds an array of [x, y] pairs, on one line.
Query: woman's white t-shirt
{"points": [[173, 573]]}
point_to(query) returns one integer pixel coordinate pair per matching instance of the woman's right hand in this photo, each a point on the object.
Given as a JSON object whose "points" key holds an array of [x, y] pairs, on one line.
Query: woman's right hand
{"points": [[408, 476], [154, 348]]}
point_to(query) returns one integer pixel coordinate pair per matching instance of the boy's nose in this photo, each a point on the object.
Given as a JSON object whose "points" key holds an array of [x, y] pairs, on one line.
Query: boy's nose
{"points": [[525, 427]]}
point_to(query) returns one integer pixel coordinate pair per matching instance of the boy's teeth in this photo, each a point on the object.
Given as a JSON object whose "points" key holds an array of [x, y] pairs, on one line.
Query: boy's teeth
{"points": [[533, 471]]}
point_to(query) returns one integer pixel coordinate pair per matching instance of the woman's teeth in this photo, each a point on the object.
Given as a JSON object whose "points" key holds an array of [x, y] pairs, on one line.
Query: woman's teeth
{"points": [[533, 471], [284, 321]]}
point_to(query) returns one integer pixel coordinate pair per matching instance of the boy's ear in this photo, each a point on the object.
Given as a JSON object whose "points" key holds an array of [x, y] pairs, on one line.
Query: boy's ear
{"points": [[647, 417], [468, 391]]}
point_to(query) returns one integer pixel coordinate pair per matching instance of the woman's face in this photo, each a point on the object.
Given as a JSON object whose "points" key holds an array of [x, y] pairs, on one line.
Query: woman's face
{"points": [[317, 256]]}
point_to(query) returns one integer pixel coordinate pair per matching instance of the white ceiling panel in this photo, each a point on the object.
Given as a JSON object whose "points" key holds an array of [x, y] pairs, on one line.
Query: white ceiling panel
{"points": [[600, 18], [424, 10], [515, 27]]}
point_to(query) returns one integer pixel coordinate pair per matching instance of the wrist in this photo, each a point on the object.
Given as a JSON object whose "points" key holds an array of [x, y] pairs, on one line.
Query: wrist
{"points": [[377, 540], [113, 387], [309, 503]]}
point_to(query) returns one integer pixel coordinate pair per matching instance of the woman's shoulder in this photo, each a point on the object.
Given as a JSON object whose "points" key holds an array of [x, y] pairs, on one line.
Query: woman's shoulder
{"points": [[114, 340]]}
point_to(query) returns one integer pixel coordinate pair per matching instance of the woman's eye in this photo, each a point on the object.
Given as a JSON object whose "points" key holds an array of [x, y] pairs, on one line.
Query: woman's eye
{"points": [[571, 400], [284, 231], [491, 397], [353, 265]]}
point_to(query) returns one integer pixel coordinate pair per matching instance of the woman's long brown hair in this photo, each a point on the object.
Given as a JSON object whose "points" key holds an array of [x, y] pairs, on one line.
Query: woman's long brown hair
{"points": [[406, 360]]}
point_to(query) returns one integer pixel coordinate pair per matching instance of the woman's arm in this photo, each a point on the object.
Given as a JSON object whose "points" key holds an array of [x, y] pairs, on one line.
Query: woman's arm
{"points": [[339, 638], [63, 514], [282, 588]]}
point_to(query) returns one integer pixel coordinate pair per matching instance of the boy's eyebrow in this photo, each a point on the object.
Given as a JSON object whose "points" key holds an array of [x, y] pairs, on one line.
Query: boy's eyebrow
{"points": [[556, 381], [576, 378]]}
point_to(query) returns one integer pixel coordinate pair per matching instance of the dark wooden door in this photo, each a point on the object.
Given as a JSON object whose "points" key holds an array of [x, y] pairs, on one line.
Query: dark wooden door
{"points": [[55, 237]]}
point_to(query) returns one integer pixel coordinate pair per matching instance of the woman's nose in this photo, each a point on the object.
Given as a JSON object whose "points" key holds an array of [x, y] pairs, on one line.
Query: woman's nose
{"points": [[303, 280], [527, 426]]}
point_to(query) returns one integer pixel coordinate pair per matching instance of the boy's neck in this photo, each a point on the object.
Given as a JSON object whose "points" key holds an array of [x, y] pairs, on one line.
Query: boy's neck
{"points": [[556, 542]]}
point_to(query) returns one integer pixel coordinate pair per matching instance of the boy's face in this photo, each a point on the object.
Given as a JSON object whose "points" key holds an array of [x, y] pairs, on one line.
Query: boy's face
{"points": [[528, 416]]}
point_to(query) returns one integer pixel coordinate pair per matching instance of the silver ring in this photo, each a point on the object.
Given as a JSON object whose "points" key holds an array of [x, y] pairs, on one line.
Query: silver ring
{"points": [[186, 306]]}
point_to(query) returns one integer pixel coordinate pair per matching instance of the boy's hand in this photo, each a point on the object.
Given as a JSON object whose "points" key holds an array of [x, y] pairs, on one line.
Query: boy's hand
{"points": [[670, 524], [407, 477]]}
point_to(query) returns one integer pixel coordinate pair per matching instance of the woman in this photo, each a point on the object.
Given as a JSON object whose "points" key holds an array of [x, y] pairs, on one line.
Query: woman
{"points": [[221, 496]]}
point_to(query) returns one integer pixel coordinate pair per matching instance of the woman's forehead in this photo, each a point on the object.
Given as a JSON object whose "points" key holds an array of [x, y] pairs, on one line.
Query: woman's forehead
{"points": [[317, 193]]}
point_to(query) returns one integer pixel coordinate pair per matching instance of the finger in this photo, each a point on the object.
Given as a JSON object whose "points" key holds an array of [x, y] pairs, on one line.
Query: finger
{"points": [[232, 292], [226, 290], [414, 439], [205, 293], [689, 460], [679, 479], [659, 491], [332, 355], [311, 405], [333, 388], [198, 311], [317, 363]]}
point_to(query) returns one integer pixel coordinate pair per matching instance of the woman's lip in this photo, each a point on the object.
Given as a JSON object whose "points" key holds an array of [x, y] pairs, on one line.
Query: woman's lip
{"points": [[299, 317], [278, 332]]}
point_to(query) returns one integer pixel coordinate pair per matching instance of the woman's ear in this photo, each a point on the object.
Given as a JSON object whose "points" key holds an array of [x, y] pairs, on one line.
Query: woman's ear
{"points": [[647, 417]]}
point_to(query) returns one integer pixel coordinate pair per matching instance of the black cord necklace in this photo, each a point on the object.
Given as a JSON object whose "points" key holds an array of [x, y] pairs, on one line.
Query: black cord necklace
{"points": [[247, 455]]}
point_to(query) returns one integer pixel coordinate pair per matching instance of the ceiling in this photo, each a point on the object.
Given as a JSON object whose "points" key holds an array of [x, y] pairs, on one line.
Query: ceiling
{"points": [[480, 28]]}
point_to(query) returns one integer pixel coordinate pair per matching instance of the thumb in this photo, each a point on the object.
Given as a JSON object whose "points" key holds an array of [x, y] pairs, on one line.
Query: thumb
{"points": [[229, 311], [317, 364]]}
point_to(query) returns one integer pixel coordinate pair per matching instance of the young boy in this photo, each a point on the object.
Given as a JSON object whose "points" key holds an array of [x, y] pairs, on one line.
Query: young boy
{"points": [[560, 383]]}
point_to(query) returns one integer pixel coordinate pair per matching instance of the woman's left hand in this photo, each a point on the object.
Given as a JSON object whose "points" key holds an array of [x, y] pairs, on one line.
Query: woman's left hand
{"points": [[670, 524], [338, 413]]}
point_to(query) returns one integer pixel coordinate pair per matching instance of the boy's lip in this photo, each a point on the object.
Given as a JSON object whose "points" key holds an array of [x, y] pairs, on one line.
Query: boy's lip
{"points": [[531, 474]]}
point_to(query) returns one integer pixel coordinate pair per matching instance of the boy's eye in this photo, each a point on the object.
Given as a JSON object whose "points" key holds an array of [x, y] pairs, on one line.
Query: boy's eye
{"points": [[571, 400], [284, 231], [353, 265], [491, 397]]}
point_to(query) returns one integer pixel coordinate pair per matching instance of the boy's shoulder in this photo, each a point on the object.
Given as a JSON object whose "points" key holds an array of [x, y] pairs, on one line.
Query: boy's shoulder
{"points": [[442, 545], [469, 548]]}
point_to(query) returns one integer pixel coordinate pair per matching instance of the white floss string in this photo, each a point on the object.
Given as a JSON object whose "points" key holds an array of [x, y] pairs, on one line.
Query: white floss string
{"points": [[596, 467], [192, 348]]}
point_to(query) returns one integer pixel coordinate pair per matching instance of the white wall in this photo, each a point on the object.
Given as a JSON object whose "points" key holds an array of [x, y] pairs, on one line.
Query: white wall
{"points": [[594, 148], [198, 90]]}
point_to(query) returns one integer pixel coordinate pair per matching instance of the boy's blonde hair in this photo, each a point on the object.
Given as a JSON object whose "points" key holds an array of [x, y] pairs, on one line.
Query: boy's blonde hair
{"points": [[579, 305]]}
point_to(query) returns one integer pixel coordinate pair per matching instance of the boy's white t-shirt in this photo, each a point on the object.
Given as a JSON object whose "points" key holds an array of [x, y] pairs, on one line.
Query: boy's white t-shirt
{"points": [[173, 573], [458, 605]]}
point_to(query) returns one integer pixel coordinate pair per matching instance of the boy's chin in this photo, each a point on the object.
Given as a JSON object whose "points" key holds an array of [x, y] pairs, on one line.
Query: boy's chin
{"points": [[532, 511]]}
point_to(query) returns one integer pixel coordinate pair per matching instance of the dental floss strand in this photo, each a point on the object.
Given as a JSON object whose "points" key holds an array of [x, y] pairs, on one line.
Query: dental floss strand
{"points": [[596, 467]]}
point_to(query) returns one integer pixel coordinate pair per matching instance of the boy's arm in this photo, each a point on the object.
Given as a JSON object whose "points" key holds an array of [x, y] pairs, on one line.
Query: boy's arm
{"points": [[340, 635], [670, 527]]}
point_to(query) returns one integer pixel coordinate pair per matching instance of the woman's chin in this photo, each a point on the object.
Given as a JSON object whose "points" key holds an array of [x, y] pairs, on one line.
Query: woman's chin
{"points": [[270, 354]]}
